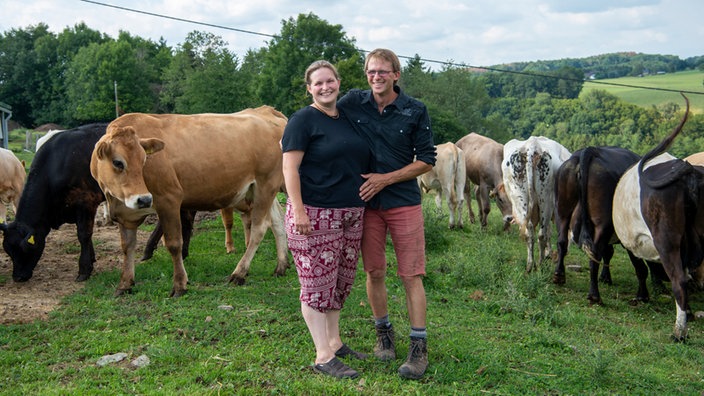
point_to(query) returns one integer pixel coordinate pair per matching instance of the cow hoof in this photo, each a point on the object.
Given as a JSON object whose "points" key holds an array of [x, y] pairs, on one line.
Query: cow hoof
{"points": [[21, 279], [177, 293], [121, 292], [679, 339], [559, 279], [237, 280], [82, 277], [146, 257], [594, 300]]}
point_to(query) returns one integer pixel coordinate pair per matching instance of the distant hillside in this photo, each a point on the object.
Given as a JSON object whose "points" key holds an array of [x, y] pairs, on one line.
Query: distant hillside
{"points": [[627, 89], [621, 64]]}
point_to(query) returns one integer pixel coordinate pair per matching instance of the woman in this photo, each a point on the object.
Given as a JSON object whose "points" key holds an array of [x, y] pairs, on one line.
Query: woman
{"points": [[323, 161]]}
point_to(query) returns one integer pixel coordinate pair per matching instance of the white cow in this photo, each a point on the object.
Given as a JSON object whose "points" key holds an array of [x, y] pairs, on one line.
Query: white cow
{"points": [[12, 178], [447, 178], [528, 171]]}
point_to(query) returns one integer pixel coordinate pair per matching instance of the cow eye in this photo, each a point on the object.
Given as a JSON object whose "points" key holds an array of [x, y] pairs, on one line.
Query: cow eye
{"points": [[118, 164]]}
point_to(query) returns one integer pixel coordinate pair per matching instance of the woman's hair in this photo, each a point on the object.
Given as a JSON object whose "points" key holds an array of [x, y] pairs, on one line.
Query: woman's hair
{"points": [[384, 54], [319, 64]]}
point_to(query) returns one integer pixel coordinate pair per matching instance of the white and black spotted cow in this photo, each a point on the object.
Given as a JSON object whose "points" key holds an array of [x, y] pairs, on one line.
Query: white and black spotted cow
{"points": [[528, 170]]}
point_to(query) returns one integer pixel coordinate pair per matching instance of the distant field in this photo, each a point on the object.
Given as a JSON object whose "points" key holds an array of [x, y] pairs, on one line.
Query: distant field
{"points": [[686, 81]]}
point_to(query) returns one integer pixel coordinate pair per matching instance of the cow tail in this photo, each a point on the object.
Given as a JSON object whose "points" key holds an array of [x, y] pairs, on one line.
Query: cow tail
{"points": [[667, 142], [586, 234], [530, 180]]}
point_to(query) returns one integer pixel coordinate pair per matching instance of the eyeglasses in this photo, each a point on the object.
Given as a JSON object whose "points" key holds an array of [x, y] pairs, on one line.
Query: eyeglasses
{"points": [[381, 73]]}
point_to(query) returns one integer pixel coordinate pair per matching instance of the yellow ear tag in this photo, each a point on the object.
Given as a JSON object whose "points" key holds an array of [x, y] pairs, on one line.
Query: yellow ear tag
{"points": [[149, 151], [31, 240]]}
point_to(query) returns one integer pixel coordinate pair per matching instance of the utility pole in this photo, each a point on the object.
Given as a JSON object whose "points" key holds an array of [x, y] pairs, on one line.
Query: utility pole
{"points": [[117, 113]]}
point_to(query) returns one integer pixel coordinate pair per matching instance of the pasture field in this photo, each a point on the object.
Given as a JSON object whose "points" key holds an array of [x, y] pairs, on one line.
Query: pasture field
{"points": [[492, 329], [691, 80]]}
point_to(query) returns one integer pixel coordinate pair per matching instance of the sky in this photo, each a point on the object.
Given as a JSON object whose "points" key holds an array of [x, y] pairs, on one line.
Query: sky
{"points": [[474, 33]]}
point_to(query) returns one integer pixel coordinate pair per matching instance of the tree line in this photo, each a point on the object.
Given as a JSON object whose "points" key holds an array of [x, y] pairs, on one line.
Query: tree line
{"points": [[74, 77]]}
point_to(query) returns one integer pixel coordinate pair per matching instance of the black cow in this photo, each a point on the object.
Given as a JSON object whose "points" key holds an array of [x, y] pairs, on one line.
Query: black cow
{"points": [[659, 215], [584, 191], [59, 190]]}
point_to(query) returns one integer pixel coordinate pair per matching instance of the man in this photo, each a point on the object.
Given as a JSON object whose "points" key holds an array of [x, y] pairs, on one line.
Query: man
{"points": [[398, 129]]}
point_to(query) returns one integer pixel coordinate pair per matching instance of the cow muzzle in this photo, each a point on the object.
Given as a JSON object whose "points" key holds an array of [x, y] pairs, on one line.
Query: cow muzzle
{"points": [[143, 201]]}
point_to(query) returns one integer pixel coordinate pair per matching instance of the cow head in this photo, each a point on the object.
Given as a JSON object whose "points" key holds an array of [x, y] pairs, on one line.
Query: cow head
{"points": [[117, 164], [503, 203], [24, 246]]}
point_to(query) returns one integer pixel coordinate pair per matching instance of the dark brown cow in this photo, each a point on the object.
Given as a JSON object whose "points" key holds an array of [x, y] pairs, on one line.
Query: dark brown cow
{"points": [[161, 163], [584, 192], [657, 215], [483, 157]]}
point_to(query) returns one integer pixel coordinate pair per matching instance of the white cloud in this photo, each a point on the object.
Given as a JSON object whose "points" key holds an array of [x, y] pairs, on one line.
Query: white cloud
{"points": [[480, 33]]}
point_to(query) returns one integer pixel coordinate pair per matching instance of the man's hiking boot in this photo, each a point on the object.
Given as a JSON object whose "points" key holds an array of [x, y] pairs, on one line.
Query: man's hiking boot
{"points": [[385, 347], [417, 360]]}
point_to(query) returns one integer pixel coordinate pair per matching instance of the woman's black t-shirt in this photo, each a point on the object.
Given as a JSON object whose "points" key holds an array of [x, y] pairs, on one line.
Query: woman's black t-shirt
{"points": [[335, 156]]}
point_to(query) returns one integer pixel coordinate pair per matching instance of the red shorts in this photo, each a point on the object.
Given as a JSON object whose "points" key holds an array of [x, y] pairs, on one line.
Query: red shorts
{"points": [[405, 224], [326, 259]]}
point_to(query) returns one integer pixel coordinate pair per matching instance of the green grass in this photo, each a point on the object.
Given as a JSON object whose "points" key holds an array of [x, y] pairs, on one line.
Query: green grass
{"points": [[685, 81], [492, 329]]}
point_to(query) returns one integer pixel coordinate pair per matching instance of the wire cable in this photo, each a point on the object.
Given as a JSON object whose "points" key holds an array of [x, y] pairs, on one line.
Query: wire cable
{"points": [[495, 69]]}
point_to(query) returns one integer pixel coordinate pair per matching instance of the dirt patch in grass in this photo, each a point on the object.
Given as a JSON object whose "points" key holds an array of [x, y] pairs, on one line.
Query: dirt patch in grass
{"points": [[55, 274]]}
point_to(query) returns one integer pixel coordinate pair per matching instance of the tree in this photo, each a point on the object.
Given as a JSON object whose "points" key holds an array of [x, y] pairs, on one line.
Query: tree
{"points": [[22, 72], [57, 52], [204, 77], [91, 78], [302, 41]]}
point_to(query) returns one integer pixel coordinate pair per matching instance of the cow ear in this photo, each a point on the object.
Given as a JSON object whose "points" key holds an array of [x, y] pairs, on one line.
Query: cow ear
{"points": [[3, 226], [102, 149], [28, 243], [152, 145]]}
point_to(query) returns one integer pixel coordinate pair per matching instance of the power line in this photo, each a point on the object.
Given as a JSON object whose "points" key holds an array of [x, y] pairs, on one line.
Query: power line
{"points": [[400, 56]]}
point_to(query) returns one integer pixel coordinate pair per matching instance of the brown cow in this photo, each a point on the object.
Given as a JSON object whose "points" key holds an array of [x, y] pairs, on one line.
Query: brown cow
{"points": [[658, 215], [149, 163], [584, 192], [482, 157], [12, 178]]}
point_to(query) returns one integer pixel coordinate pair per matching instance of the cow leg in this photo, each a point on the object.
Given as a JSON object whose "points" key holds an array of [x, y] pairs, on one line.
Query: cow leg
{"points": [[451, 206], [259, 214], [657, 277], [562, 222], [468, 200], [227, 220], [605, 276], [642, 294], [152, 242], [84, 230], [672, 263], [187, 218], [530, 243], [128, 241], [246, 218], [173, 240], [484, 204], [276, 216], [594, 297], [544, 242]]}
